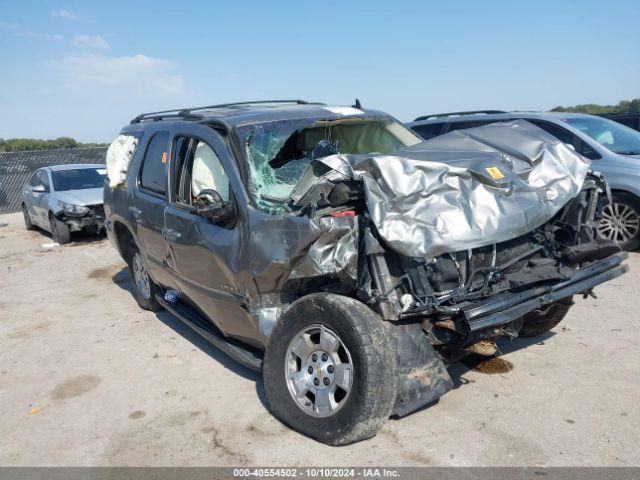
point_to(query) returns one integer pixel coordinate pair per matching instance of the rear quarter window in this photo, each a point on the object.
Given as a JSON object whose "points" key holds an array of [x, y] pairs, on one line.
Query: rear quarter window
{"points": [[565, 136]]}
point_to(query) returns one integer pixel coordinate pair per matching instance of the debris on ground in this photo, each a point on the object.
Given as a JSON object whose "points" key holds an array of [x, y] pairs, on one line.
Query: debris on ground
{"points": [[35, 410]]}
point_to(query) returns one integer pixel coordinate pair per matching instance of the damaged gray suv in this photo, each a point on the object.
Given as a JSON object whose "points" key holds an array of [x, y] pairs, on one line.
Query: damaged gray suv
{"points": [[350, 262]]}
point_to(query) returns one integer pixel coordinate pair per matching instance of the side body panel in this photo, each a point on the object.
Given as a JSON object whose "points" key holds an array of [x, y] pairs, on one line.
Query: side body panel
{"points": [[208, 261]]}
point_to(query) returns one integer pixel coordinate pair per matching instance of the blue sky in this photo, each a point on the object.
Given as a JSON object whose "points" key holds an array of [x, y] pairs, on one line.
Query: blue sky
{"points": [[83, 69]]}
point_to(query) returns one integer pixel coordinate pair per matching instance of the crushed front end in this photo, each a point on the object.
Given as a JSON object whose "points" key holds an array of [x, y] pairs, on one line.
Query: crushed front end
{"points": [[466, 296], [463, 239], [88, 218]]}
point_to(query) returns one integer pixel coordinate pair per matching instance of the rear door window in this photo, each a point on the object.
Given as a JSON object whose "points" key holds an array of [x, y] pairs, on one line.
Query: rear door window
{"points": [[43, 179], [465, 125], [428, 130], [34, 180], [153, 176]]}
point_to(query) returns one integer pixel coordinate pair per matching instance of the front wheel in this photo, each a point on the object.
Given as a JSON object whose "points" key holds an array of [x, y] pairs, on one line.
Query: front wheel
{"points": [[620, 221], [540, 321], [329, 369], [60, 233]]}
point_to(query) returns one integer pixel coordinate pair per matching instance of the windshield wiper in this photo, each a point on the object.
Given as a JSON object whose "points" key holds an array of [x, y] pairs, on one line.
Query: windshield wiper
{"points": [[630, 152]]}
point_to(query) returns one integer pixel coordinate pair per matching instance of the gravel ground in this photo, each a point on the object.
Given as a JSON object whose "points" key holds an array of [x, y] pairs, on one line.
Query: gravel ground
{"points": [[87, 378]]}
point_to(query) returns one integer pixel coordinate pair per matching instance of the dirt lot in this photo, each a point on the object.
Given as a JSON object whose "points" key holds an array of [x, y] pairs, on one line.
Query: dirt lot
{"points": [[87, 378]]}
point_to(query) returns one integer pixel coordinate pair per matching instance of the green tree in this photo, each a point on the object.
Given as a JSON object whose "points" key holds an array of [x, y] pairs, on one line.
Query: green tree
{"points": [[64, 142], [624, 106], [23, 144]]}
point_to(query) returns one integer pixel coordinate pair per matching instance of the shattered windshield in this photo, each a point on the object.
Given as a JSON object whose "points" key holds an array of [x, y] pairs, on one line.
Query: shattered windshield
{"points": [[279, 152]]}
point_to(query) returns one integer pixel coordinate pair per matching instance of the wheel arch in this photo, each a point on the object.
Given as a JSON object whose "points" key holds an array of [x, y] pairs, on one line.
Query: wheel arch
{"points": [[123, 237], [625, 192]]}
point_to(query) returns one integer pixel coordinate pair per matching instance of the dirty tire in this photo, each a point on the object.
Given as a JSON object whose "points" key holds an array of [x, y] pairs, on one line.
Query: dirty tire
{"points": [[27, 219], [59, 231], [149, 303], [535, 323], [373, 388]]}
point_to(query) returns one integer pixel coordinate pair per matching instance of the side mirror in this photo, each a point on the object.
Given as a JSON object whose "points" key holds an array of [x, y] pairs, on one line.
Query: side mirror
{"points": [[210, 204], [38, 189]]}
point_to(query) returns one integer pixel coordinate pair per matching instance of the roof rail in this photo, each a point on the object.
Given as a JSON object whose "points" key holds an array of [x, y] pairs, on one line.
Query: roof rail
{"points": [[469, 112], [186, 113]]}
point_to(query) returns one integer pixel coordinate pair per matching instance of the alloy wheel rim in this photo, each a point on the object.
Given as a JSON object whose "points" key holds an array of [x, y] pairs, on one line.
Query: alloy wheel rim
{"points": [[141, 277], [319, 371], [619, 222]]}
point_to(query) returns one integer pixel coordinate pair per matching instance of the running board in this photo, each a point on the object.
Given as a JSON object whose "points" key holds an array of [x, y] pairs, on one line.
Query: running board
{"points": [[247, 356]]}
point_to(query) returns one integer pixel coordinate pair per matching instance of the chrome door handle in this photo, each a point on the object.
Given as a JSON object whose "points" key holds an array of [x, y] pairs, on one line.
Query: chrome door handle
{"points": [[171, 234], [135, 211]]}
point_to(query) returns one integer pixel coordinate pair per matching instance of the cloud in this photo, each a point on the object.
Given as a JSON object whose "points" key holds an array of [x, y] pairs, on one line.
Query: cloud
{"points": [[61, 13], [12, 27], [46, 36], [121, 77], [94, 42]]}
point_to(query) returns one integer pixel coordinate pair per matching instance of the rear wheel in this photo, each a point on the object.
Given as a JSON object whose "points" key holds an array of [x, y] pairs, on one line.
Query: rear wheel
{"points": [[620, 221], [540, 321], [329, 370], [144, 289], [60, 233], [27, 219]]}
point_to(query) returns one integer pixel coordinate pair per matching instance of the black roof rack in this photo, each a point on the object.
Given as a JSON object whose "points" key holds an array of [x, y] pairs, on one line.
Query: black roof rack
{"points": [[187, 113], [469, 112]]}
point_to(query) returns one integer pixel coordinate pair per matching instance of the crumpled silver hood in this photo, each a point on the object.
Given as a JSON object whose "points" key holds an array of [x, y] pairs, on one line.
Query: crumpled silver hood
{"points": [[466, 189], [87, 196]]}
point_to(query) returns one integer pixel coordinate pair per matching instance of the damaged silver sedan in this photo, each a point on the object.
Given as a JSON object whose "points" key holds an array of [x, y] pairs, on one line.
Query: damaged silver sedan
{"points": [[349, 261], [64, 199]]}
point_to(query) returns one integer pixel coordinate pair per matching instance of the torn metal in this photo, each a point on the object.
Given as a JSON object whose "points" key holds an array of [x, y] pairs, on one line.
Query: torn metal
{"points": [[289, 247], [463, 190], [460, 237]]}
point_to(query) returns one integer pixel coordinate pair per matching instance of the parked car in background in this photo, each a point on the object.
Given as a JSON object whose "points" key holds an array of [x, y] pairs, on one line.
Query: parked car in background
{"points": [[65, 198], [613, 149], [316, 244], [631, 120]]}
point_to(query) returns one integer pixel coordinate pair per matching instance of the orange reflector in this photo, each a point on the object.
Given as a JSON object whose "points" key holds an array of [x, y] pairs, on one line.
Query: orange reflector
{"points": [[344, 213], [164, 157]]}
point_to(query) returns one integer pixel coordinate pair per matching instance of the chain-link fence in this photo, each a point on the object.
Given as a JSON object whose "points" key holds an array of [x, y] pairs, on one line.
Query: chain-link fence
{"points": [[17, 167]]}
